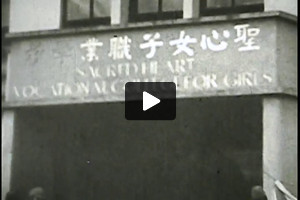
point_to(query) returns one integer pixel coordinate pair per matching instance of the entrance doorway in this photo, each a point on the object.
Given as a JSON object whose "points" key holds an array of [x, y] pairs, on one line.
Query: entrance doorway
{"points": [[212, 151]]}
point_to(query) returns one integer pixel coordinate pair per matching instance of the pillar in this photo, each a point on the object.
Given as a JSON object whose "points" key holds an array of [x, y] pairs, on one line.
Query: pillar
{"points": [[7, 146], [280, 143]]}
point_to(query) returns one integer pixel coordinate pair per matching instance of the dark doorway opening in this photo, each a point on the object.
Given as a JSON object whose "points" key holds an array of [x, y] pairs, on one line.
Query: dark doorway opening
{"points": [[212, 151]]}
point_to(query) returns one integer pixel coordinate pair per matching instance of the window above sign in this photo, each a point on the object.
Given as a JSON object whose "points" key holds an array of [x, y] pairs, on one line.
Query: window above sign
{"points": [[151, 10], [97, 12], [86, 12], [223, 7]]}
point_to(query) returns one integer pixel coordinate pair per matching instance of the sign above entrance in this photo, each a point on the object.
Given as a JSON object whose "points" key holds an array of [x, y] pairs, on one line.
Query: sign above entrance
{"points": [[203, 60]]}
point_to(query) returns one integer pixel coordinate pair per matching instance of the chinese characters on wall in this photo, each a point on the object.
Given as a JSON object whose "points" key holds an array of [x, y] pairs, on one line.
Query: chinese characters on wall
{"points": [[120, 46]]}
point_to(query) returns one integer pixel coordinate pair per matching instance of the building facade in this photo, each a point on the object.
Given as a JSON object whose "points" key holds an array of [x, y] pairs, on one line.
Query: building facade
{"points": [[66, 62]]}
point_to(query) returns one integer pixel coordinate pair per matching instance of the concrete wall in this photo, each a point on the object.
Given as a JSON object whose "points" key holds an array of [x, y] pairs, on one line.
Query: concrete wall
{"points": [[289, 6], [280, 143], [34, 15]]}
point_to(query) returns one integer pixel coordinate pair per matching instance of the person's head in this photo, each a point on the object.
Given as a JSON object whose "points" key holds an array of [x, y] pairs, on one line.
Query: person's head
{"points": [[37, 193], [258, 193]]}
